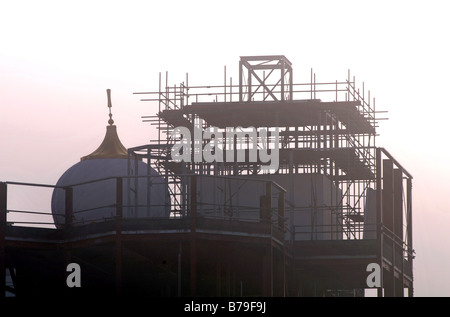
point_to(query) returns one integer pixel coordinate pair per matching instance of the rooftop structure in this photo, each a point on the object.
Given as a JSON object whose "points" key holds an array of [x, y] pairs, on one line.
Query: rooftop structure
{"points": [[281, 191]]}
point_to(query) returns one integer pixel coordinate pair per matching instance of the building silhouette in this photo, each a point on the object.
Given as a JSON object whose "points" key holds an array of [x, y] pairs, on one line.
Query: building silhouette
{"points": [[224, 220]]}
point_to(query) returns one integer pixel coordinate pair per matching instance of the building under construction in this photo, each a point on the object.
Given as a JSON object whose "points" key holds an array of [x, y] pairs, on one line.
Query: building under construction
{"points": [[262, 187]]}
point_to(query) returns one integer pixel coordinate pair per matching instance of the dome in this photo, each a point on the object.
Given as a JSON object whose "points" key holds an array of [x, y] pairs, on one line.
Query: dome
{"points": [[145, 193]]}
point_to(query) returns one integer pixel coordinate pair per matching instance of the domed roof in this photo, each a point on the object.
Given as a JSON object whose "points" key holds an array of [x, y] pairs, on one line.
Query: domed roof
{"points": [[111, 147], [94, 201]]}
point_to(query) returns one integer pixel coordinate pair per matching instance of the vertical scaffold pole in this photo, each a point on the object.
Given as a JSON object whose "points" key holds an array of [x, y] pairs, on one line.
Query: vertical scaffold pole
{"points": [[240, 81]]}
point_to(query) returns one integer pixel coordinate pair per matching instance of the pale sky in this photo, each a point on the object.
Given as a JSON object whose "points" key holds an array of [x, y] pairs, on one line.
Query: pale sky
{"points": [[57, 58]]}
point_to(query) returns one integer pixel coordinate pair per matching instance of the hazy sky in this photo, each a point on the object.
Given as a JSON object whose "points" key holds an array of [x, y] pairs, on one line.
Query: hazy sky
{"points": [[57, 58]]}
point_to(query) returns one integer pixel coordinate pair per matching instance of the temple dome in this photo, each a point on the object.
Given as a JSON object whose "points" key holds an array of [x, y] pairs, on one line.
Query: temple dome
{"points": [[111, 147], [93, 179]]}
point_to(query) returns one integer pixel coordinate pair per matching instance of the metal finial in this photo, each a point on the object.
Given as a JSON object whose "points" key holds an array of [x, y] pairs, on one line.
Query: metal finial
{"points": [[108, 92]]}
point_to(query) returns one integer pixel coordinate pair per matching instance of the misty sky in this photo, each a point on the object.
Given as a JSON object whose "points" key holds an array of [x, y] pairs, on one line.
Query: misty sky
{"points": [[57, 58]]}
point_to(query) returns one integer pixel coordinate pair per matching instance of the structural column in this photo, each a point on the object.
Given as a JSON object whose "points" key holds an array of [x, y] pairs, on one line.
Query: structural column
{"points": [[3, 206], [398, 260], [379, 217], [119, 216], [68, 212], [193, 224], [388, 224], [409, 230]]}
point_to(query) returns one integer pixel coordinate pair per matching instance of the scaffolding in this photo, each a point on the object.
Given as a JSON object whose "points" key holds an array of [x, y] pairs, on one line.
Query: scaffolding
{"points": [[333, 137], [323, 128]]}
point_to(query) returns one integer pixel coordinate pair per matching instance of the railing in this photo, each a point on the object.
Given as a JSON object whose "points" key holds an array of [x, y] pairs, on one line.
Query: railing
{"points": [[177, 97], [117, 206], [320, 232], [243, 199], [216, 197], [27, 212]]}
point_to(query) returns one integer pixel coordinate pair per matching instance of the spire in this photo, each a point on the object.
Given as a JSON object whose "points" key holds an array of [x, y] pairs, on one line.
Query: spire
{"points": [[111, 147], [108, 93]]}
